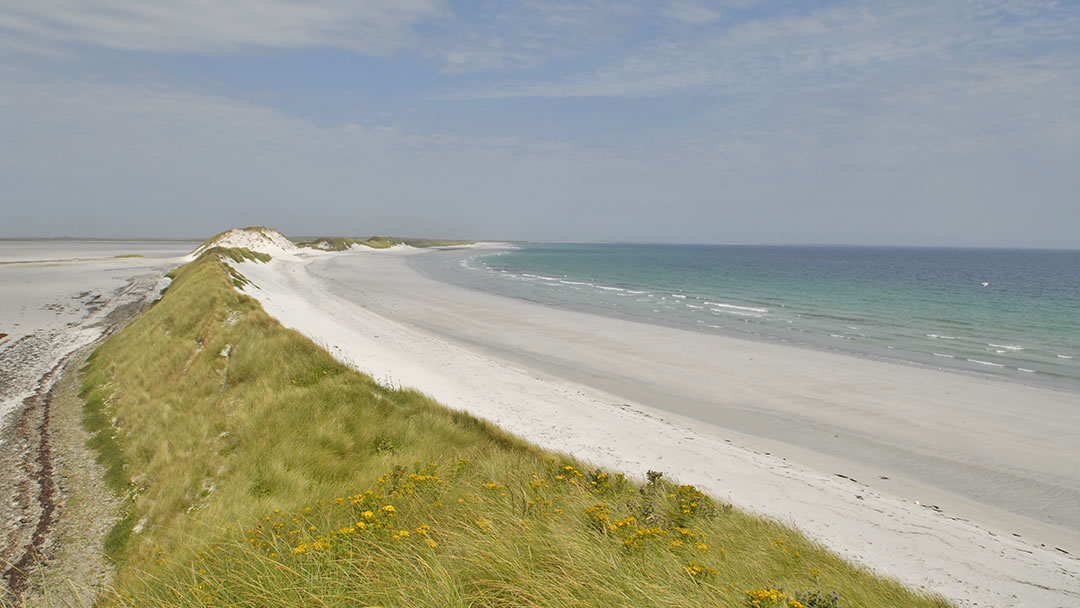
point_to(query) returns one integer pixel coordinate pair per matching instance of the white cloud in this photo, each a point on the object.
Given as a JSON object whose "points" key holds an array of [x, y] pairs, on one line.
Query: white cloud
{"points": [[210, 26]]}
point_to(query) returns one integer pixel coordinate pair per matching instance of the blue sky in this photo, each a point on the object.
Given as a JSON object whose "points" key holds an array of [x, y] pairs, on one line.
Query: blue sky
{"points": [[921, 123]]}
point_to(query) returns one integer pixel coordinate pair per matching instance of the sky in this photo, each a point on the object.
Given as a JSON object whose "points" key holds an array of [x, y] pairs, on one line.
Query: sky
{"points": [[953, 123]]}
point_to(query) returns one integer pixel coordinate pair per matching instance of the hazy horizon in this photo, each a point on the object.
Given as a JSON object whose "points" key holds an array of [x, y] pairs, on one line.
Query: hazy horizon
{"points": [[302, 237], [741, 122]]}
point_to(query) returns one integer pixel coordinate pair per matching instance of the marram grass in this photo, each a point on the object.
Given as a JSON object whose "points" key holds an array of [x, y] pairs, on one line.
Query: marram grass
{"points": [[262, 472]]}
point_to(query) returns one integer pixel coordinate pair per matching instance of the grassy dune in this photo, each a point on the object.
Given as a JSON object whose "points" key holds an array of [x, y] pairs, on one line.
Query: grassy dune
{"points": [[261, 472]]}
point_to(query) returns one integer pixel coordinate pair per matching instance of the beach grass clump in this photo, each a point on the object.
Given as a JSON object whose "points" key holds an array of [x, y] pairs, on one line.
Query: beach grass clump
{"points": [[260, 471], [330, 243], [238, 254]]}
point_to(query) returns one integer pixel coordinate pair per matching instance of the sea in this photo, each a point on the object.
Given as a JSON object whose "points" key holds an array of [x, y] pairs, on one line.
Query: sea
{"points": [[1008, 314]]}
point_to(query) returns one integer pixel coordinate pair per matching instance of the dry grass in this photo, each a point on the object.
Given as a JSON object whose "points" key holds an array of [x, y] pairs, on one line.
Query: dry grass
{"points": [[262, 472]]}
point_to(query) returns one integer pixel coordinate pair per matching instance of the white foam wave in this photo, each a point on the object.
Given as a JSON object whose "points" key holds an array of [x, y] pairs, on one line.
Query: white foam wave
{"points": [[939, 337], [681, 297], [694, 306], [636, 292], [1005, 346], [944, 355], [610, 288], [989, 363], [1024, 369], [1064, 356], [576, 283], [734, 307], [720, 311]]}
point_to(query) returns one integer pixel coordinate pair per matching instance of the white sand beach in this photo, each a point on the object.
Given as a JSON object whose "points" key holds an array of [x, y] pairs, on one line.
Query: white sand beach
{"points": [[954, 484], [57, 296]]}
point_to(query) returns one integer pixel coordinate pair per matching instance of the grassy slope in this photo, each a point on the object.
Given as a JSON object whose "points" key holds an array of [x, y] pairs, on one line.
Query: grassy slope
{"points": [[277, 477]]}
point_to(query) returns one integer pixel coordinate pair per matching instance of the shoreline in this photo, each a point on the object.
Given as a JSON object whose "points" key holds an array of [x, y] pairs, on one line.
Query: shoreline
{"points": [[914, 543], [527, 287], [809, 348], [55, 522]]}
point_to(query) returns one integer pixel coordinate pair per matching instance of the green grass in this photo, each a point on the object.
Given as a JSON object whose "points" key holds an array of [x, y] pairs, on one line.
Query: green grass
{"points": [[331, 243], [275, 476]]}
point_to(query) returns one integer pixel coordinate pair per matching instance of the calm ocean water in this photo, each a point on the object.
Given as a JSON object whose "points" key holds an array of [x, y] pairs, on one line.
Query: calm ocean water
{"points": [[1009, 314]]}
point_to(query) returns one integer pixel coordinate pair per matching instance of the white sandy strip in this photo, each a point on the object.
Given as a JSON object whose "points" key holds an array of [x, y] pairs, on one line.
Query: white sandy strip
{"points": [[51, 309], [922, 548]]}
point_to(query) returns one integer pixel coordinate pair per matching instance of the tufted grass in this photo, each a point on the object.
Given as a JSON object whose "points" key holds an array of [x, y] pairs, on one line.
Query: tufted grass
{"points": [[260, 472]]}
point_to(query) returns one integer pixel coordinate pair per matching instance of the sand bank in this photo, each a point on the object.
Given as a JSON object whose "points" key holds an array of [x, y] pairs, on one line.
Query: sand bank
{"points": [[636, 397], [59, 299]]}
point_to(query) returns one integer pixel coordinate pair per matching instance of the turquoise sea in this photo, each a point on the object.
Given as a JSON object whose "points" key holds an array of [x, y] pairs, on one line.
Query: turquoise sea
{"points": [[1007, 314]]}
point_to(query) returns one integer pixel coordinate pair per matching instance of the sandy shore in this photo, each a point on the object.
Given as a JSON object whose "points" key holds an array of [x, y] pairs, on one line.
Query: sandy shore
{"points": [[958, 485], [60, 298]]}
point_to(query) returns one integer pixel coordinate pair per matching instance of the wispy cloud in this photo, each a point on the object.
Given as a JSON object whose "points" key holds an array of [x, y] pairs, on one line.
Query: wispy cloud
{"points": [[524, 35], [829, 44], [200, 26]]}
